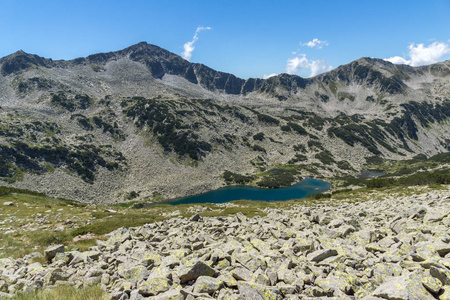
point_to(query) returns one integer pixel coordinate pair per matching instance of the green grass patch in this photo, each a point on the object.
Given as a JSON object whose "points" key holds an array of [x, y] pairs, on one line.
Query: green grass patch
{"points": [[132, 218]]}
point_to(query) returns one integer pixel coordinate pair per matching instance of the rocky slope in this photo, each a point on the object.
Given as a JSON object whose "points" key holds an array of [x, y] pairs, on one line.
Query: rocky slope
{"points": [[143, 123], [389, 247]]}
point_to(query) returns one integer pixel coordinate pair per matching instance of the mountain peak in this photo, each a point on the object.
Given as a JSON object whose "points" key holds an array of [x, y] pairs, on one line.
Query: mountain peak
{"points": [[19, 52], [139, 47], [141, 52], [20, 60]]}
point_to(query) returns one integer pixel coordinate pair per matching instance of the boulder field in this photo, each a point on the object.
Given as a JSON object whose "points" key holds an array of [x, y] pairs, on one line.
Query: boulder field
{"points": [[387, 248]]}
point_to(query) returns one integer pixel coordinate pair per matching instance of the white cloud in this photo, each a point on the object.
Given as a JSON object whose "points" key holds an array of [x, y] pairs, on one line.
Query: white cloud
{"points": [[189, 46], [266, 76], [315, 43], [296, 63], [319, 66], [420, 55], [398, 60], [316, 67]]}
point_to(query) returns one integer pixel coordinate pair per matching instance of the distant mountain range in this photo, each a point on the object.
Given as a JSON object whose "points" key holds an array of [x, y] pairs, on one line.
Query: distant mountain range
{"points": [[144, 124]]}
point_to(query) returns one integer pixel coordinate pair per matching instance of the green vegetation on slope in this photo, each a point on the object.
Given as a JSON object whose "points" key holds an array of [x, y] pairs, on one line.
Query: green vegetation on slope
{"points": [[83, 160], [280, 177], [421, 178], [71, 104], [234, 178]]}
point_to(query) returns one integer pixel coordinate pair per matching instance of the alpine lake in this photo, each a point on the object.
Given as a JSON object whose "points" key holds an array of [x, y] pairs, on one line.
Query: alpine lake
{"points": [[297, 191]]}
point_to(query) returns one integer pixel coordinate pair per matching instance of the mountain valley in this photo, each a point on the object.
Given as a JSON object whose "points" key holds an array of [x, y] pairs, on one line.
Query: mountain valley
{"points": [[143, 124]]}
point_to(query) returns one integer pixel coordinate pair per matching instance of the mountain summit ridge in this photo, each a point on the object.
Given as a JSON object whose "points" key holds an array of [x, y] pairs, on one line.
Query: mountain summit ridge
{"points": [[161, 62]]}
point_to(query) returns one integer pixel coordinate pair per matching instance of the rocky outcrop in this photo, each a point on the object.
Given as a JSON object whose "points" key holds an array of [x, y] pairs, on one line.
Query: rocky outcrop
{"points": [[397, 249]]}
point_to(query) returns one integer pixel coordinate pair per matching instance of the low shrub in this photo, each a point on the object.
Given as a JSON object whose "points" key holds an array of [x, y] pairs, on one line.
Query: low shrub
{"points": [[258, 148], [259, 136], [268, 119]]}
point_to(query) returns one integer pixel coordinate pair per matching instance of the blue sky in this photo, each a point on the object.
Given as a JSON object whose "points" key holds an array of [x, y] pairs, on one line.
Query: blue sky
{"points": [[246, 38]]}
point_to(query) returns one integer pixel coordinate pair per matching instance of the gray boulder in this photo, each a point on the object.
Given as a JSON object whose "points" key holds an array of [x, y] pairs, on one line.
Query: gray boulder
{"points": [[258, 292], [206, 284], [169, 295], [406, 287], [132, 272], [195, 218], [194, 270], [154, 286], [51, 251], [441, 274]]}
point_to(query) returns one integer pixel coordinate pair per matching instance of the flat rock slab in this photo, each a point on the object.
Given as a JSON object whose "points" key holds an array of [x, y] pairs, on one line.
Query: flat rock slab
{"points": [[319, 255]]}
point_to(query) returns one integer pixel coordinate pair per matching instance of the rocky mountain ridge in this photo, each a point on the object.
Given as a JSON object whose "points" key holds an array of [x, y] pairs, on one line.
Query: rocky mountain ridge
{"points": [[143, 123], [161, 62]]}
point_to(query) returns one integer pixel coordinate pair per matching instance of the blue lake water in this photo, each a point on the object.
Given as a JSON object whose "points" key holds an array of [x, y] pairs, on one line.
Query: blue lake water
{"points": [[227, 194]]}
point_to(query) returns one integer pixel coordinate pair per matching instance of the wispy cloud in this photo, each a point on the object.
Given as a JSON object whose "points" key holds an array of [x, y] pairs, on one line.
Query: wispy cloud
{"points": [[266, 76], [315, 43], [316, 67], [420, 54], [189, 46]]}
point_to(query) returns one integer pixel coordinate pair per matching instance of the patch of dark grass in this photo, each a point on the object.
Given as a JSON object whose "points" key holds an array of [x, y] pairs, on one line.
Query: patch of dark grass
{"points": [[268, 119], [258, 148], [344, 165], [259, 136], [281, 178], [231, 177], [297, 158], [325, 157]]}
